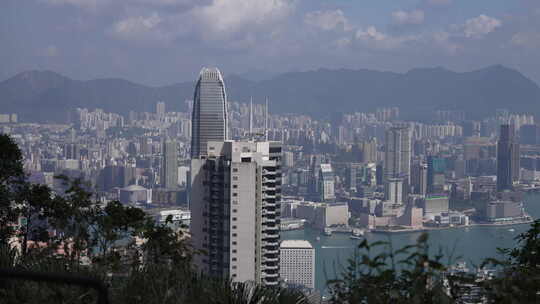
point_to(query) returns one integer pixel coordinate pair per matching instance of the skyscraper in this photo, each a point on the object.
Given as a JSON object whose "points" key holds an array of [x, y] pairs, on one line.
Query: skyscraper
{"points": [[160, 109], [397, 158], [169, 170], [507, 159], [235, 210], [326, 183], [209, 118]]}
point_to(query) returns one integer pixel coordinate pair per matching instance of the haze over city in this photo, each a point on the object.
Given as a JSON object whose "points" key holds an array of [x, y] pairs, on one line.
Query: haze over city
{"points": [[269, 151]]}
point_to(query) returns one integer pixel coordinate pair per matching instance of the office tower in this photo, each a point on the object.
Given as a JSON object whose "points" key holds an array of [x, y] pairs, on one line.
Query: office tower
{"points": [[235, 210], [507, 159], [297, 263], [209, 118], [326, 183], [436, 168], [419, 178], [160, 109], [393, 190], [397, 158], [169, 168]]}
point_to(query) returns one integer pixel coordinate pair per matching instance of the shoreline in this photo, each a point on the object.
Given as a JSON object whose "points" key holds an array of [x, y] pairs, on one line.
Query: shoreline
{"points": [[427, 229]]}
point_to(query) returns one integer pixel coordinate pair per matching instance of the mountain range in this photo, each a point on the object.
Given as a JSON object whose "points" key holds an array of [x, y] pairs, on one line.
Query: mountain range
{"points": [[46, 96]]}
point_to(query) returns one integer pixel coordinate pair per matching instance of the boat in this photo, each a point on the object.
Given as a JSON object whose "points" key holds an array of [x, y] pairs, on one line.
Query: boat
{"points": [[511, 229], [327, 231], [318, 238], [357, 232]]}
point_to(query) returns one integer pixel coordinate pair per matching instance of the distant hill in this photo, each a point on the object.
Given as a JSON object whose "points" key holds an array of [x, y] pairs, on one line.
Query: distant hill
{"points": [[47, 96]]}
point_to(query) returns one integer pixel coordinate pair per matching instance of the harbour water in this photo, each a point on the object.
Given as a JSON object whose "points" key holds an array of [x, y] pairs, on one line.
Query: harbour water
{"points": [[472, 244]]}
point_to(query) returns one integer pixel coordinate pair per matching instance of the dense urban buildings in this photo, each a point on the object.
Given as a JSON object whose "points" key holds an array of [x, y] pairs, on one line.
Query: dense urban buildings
{"points": [[221, 167]]}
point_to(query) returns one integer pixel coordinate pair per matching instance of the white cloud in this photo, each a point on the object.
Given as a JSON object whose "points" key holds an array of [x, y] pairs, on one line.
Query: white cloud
{"points": [[412, 17], [140, 28], [480, 26], [225, 17], [86, 4], [372, 38], [439, 2], [327, 20]]}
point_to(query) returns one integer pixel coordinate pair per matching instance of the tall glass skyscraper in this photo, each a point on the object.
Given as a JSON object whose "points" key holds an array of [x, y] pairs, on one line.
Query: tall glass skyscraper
{"points": [[209, 118]]}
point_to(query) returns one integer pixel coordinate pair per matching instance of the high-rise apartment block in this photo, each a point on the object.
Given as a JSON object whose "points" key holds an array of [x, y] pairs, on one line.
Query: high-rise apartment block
{"points": [[235, 210], [397, 158], [209, 118], [169, 169], [160, 109], [507, 159], [326, 183], [297, 263]]}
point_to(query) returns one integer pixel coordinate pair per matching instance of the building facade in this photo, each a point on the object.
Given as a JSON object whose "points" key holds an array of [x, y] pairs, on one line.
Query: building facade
{"points": [[235, 210], [397, 157], [297, 263], [169, 170], [507, 159]]}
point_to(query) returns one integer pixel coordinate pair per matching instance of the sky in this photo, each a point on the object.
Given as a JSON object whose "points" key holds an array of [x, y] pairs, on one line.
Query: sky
{"points": [[159, 42]]}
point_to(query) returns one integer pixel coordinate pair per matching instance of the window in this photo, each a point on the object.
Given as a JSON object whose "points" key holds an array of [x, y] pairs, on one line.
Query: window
{"points": [[234, 210], [234, 219], [235, 186], [234, 235], [234, 259], [235, 178], [235, 170], [235, 194], [233, 227]]}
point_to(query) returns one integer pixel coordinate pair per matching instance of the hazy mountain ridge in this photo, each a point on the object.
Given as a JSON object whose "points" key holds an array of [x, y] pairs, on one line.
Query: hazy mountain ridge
{"points": [[46, 96]]}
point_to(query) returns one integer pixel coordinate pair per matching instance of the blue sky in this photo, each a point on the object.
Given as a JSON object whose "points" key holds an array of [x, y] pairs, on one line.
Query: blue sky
{"points": [[165, 41]]}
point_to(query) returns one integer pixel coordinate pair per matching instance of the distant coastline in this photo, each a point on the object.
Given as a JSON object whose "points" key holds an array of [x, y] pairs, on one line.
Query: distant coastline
{"points": [[525, 220]]}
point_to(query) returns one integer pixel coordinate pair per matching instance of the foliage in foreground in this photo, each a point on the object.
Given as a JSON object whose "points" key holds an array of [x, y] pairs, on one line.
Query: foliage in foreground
{"points": [[140, 261], [413, 275]]}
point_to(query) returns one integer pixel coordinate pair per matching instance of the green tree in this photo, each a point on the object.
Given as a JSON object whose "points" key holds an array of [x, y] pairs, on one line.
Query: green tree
{"points": [[11, 178], [407, 275]]}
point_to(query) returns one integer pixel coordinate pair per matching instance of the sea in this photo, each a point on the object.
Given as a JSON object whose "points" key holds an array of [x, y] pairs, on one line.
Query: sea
{"points": [[471, 244]]}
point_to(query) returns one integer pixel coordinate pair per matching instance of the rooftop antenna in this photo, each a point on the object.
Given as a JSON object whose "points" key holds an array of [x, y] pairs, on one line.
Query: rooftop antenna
{"points": [[266, 120], [251, 117]]}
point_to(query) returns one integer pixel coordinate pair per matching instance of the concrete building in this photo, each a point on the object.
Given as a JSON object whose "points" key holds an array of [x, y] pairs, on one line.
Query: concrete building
{"points": [[507, 159], [393, 190], [504, 210], [326, 183], [297, 263], [323, 215], [235, 210], [434, 205], [397, 157], [169, 169], [135, 194]]}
